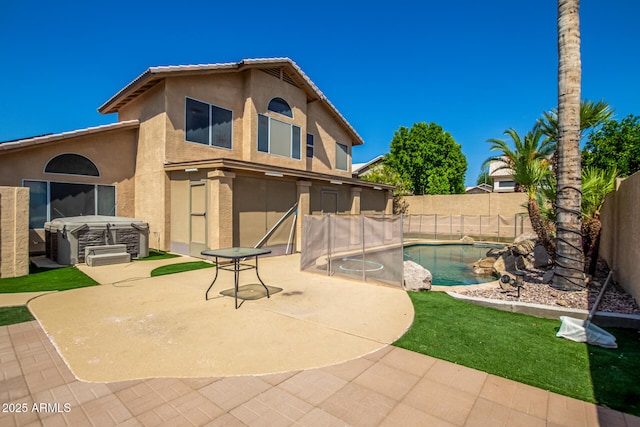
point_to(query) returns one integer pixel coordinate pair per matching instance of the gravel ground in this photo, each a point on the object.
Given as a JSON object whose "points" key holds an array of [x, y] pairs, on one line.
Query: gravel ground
{"points": [[614, 300]]}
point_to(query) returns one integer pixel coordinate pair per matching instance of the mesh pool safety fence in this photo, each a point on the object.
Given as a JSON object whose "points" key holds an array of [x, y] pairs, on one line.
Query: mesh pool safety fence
{"points": [[362, 247], [370, 248]]}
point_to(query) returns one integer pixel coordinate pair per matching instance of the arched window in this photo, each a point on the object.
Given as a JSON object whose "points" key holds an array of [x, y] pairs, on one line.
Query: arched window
{"points": [[72, 164], [280, 106]]}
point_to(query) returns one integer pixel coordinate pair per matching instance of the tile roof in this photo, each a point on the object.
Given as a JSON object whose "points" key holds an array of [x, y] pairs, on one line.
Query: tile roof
{"points": [[26, 142]]}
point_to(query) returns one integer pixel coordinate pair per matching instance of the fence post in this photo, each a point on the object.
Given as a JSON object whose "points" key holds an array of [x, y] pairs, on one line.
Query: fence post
{"points": [[402, 250], [481, 227], [435, 228], [364, 270], [328, 244], [450, 227], [498, 217]]}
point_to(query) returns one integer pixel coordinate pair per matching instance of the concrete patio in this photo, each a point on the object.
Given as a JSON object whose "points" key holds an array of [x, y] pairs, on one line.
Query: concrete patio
{"points": [[334, 368]]}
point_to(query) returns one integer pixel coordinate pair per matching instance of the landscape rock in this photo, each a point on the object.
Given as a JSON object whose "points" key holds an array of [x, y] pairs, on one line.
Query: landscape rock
{"points": [[523, 237], [506, 262], [524, 247], [484, 267], [467, 239], [541, 258], [547, 277], [416, 277]]}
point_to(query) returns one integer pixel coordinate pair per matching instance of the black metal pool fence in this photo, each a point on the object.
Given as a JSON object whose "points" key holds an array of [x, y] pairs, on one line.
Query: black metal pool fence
{"points": [[370, 248]]}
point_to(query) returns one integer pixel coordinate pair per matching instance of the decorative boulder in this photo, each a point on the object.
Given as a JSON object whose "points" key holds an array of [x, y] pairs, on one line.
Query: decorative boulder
{"points": [[416, 277], [524, 236], [541, 258], [484, 267], [467, 239], [525, 247], [506, 262]]}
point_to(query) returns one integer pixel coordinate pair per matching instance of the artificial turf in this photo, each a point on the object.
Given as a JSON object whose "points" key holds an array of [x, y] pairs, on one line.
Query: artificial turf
{"points": [[525, 349], [13, 315], [40, 280], [179, 268]]}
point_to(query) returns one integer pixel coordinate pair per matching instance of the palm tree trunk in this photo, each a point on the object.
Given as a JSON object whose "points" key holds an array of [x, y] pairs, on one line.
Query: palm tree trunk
{"points": [[540, 228], [591, 233], [569, 263]]}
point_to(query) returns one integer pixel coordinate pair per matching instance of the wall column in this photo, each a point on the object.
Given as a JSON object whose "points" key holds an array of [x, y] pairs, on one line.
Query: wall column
{"points": [[388, 210], [14, 231], [220, 211], [355, 200], [304, 208]]}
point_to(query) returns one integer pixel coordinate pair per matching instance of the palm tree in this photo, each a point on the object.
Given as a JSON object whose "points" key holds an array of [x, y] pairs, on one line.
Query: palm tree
{"points": [[569, 263], [592, 115], [529, 165], [596, 184]]}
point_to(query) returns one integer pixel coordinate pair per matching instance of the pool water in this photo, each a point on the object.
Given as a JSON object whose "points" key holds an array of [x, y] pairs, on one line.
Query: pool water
{"points": [[450, 265]]}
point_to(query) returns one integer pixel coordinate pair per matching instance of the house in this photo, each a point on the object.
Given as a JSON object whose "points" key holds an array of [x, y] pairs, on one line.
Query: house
{"points": [[501, 177], [209, 155], [362, 169], [479, 189]]}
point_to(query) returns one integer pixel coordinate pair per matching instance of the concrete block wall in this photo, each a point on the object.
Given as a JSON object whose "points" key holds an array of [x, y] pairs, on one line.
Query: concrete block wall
{"points": [[620, 217], [14, 231]]}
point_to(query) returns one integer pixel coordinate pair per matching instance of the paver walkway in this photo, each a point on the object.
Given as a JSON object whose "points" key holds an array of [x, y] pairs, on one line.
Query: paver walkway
{"points": [[382, 386], [391, 387]]}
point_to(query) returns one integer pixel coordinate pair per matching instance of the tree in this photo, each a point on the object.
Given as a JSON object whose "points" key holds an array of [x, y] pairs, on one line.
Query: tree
{"points": [[483, 176], [596, 184], [592, 115], [529, 165], [386, 175], [569, 264], [428, 159], [615, 145]]}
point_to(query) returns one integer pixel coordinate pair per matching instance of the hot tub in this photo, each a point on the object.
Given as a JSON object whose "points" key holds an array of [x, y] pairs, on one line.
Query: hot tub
{"points": [[66, 238]]}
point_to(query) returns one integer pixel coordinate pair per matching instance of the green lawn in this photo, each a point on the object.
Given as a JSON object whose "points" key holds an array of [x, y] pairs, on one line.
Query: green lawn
{"points": [[12, 315], [39, 280], [179, 268], [525, 349], [155, 254]]}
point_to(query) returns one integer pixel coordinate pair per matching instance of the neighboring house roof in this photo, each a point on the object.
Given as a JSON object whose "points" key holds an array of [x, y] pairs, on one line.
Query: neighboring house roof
{"points": [[358, 168], [23, 143], [291, 73], [495, 172], [480, 188]]}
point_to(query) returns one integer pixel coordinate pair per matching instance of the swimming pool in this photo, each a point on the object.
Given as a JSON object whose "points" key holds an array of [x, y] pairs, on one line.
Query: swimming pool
{"points": [[450, 264]]}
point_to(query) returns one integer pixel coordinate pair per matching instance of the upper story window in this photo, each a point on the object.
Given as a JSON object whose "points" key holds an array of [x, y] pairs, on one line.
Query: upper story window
{"points": [[276, 136], [72, 164], [280, 106], [309, 145], [342, 157], [208, 124]]}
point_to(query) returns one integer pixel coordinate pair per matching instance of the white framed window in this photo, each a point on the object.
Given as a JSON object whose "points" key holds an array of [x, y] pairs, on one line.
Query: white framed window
{"points": [[342, 157], [208, 124], [278, 137], [51, 199], [506, 184]]}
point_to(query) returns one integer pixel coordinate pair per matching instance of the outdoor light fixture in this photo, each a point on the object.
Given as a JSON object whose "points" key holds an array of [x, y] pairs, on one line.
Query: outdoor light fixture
{"points": [[335, 182], [191, 170], [273, 174], [377, 188], [518, 282]]}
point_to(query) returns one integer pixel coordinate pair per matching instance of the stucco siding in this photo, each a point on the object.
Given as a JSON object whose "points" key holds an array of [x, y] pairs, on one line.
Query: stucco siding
{"points": [[327, 132], [222, 90], [621, 233]]}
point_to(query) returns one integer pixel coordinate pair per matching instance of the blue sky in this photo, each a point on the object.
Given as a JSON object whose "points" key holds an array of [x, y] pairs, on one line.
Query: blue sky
{"points": [[475, 68]]}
